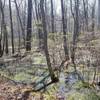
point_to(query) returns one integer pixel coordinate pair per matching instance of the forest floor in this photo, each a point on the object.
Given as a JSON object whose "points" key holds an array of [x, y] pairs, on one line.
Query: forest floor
{"points": [[10, 91], [32, 68]]}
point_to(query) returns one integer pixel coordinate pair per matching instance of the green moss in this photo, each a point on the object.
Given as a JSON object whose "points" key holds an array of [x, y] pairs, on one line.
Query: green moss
{"points": [[76, 96], [39, 60], [80, 84], [83, 96], [95, 42], [22, 77]]}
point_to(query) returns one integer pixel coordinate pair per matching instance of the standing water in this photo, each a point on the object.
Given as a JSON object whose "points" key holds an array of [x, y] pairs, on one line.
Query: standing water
{"points": [[61, 92]]}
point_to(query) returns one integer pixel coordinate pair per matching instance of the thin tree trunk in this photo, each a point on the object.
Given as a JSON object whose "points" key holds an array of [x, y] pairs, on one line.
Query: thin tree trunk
{"points": [[1, 52], [85, 4], [76, 30], [22, 28], [52, 17], [29, 26], [64, 29], [98, 14], [38, 17], [4, 28], [93, 17], [19, 37], [11, 23], [53, 78]]}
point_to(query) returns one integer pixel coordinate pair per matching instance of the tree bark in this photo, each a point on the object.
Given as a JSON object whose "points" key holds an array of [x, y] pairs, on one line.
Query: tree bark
{"points": [[11, 25], [21, 25], [53, 78], [76, 30], [99, 14], [85, 4], [39, 25], [93, 16], [52, 17], [29, 26], [4, 28], [65, 45]]}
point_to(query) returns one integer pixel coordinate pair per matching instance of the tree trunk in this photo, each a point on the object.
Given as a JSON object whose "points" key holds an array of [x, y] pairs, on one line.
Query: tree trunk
{"points": [[99, 14], [64, 29], [93, 16], [52, 17], [11, 25], [29, 26], [76, 30], [39, 26], [4, 28], [21, 25], [1, 51], [53, 78], [85, 4]]}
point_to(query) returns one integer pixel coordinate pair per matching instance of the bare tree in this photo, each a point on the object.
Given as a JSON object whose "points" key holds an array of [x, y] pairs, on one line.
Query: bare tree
{"points": [[29, 26], [21, 24], [53, 78], [4, 28], [11, 25], [64, 29], [93, 16], [52, 17], [85, 4], [99, 14], [1, 51], [38, 24], [76, 28]]}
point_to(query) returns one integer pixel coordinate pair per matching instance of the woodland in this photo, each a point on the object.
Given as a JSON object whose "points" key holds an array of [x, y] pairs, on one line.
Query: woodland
{"points": [[49, 49]]}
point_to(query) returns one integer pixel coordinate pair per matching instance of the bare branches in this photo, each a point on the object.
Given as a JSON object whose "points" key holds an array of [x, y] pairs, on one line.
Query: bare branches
{"points": [[18, 14]]}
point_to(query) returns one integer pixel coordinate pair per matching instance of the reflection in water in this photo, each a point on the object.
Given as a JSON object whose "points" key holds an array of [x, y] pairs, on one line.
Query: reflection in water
{"points": [[66, 82], [61, 91]]}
